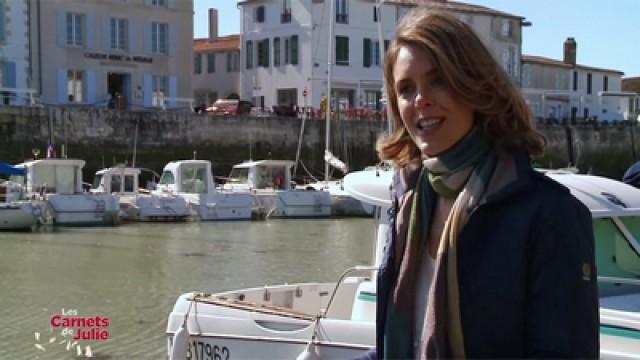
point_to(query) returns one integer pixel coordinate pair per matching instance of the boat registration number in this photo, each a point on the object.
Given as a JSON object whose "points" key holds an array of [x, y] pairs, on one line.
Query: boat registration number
{"points": [[200, 350]]}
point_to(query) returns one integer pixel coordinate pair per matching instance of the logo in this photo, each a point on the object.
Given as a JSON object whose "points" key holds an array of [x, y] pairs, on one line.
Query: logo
{"points": [[70, 331]]}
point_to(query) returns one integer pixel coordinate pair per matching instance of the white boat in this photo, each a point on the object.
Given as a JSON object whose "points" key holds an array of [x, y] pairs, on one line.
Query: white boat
{"points": [[135, 203], [16, 213], [343, 204], [193, 181], [269, 182], [331, 321], [59, 183]]}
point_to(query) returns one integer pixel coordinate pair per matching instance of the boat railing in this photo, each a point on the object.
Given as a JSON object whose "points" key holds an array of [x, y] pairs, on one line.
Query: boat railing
{"points": [[619, 280]]}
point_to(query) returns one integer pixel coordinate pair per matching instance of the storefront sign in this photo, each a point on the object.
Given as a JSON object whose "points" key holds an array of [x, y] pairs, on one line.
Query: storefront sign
{"points": [[117, 57]]}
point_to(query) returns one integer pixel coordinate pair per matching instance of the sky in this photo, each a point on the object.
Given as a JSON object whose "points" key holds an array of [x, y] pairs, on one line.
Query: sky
{"points": [[607, 31]]}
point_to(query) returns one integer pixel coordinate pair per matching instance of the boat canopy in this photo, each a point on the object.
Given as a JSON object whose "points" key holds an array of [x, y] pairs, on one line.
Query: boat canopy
{"points": [[8, 169], [604, 197]]}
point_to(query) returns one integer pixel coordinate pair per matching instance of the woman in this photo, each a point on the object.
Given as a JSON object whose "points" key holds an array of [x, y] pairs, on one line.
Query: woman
{"points": [[486, 257]]}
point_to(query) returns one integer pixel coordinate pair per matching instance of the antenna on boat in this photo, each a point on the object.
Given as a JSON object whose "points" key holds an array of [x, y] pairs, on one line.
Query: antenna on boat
{"points": [[332, 16], [135, 143]]}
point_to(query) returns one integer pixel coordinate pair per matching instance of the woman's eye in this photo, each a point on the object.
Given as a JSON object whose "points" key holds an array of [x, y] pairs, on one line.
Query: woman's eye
{"points": [[405, 89]]}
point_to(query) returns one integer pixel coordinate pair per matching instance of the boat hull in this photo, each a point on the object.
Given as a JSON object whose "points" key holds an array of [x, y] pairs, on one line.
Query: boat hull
{"points": [[83, 209], [17, 215]]}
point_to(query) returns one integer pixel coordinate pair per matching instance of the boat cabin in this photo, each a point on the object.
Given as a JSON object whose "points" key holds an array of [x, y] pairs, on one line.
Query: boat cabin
{"points": [[123, 180], [187, 176], [62, 176], [263, 174]]}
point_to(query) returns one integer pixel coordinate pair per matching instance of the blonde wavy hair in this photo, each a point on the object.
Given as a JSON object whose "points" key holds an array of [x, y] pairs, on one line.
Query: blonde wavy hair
{"points": [[473, 77]]}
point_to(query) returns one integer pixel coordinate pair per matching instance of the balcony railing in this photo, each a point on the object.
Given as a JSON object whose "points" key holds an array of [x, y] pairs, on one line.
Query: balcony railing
{"points": [[285, 17], [342, 18]]}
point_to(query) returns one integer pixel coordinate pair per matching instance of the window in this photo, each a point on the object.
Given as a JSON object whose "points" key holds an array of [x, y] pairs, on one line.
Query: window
{"points": [[167, 178], [263, 53], [509, 61], [342, 50], [163, 3], [197, 64], [371, 52], [276, 52], [129, 183], [605, 83], [575, 81], [159, 90], [287, 50], [236, 61], [506, 29], [75, 86], [342, 17], [249, 49], [211, 63], [229, 62], [372, 100], [375, 13], [116, 183], [258, 14], [118, 33], [75, 23], [159, 37], [285, 17], [294, 50], [589, 83], [526, 77]]}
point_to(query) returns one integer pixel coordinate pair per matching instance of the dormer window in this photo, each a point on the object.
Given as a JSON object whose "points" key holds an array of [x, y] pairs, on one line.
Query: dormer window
{"points": [[285, 17]]}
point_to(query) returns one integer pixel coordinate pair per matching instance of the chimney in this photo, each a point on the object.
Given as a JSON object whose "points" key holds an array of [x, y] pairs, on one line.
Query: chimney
{"points": [[213, 24], [570, 50]]}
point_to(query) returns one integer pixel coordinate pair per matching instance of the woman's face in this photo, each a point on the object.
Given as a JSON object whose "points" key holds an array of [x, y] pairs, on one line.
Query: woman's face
{"points": [[431, 113]]}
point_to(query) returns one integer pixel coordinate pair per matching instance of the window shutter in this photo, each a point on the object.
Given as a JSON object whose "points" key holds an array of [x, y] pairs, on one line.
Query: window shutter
{"points": [[265, 46], [294, 50], [366, 53], [61, 30], [91, 87], [147, 85], [173, 90], [91, 31], [62, 86], [131, 28], [2, 24], [147, 40], [172, 39], [106, 32], [10, 81]]}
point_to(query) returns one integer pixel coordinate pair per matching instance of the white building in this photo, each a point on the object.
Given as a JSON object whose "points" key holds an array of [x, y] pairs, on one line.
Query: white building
{"points": [[216, 65], [87, 52], [567, 90], [284, 47], [14, 51]]}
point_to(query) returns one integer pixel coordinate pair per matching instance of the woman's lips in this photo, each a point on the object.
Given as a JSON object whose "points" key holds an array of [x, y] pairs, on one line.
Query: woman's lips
{"points": [[427, 126]]}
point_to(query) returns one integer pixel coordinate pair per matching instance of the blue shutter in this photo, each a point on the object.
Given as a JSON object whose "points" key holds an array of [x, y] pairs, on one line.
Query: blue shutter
{"points": [[91, 87], [11, 75], [173, 90], [2, 15], [61, 29], [147, 38], [91, 32], [131, 27], [62, 86], [147, 90], [172, 40], [106, 32]]}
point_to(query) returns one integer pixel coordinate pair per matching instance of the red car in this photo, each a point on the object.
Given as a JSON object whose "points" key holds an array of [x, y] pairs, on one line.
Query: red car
{"points": [[230, 107]]}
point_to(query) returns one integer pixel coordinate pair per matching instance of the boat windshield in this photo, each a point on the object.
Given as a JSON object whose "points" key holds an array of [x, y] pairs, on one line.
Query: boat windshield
{"points": [[167, 178], [96, 181], [193, 178], [239, 176], [618, 261]]}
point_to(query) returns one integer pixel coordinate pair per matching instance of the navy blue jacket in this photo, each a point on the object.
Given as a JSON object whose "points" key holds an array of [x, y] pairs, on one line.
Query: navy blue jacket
{"points": [[526, 269]]}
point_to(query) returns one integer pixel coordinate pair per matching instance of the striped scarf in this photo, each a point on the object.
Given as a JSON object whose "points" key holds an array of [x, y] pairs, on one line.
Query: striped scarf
{"points": [[461, 172]]}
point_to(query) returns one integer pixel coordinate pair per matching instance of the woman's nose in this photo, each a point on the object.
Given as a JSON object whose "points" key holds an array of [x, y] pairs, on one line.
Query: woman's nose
{"points": [[422, 99]]}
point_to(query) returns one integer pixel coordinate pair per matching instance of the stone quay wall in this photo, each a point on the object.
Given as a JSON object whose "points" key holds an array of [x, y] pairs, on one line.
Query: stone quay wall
{"points": [[105, 137]]}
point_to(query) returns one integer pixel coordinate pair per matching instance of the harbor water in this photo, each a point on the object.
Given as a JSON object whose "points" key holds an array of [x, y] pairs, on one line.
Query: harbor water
{"points": [[126, 279]]}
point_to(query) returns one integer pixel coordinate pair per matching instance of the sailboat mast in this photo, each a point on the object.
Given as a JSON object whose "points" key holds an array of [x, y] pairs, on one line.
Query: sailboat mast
{"points": [[329, 69], [382, 51]]}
